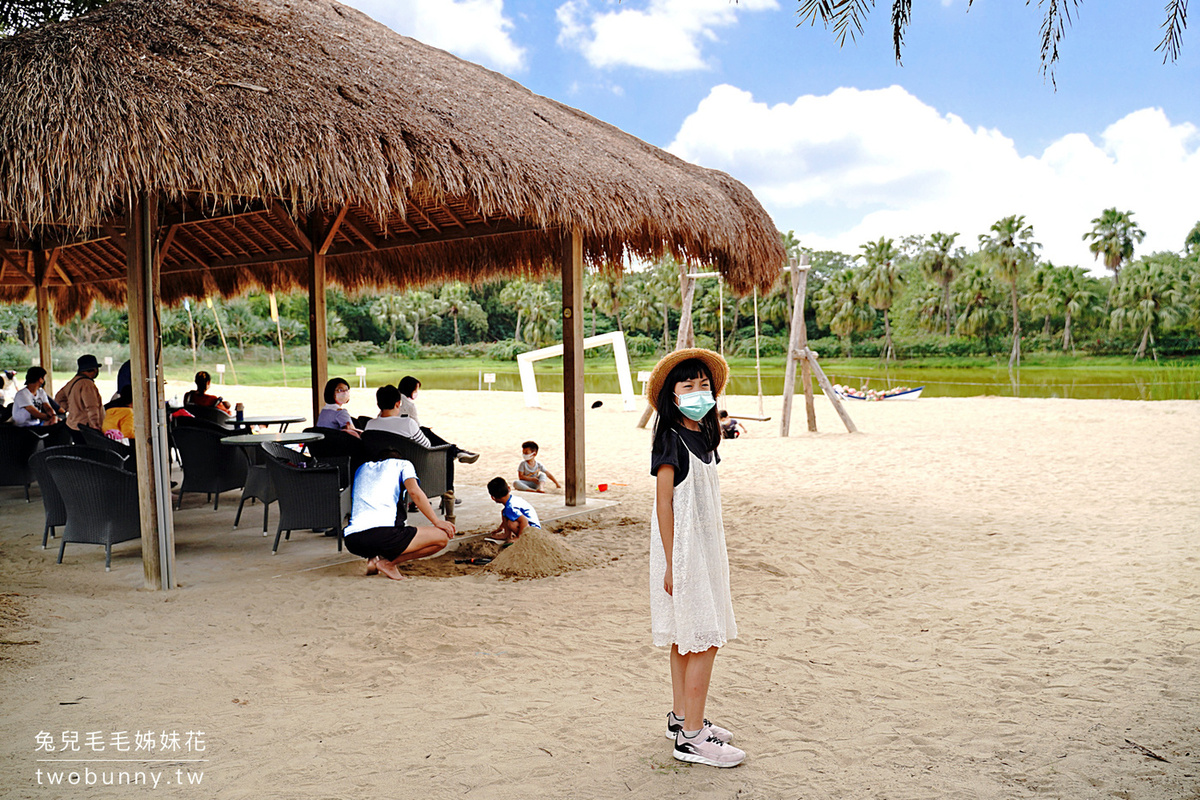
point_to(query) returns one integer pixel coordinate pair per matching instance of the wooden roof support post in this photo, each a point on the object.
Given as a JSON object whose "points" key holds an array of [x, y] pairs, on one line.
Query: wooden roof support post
{"points": [[573, 415], [149, 413], [45, 330], [319, 233]]}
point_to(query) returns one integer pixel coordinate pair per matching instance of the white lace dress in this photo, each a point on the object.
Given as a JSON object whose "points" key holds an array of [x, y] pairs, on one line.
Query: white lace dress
{"points": [[699, 613]]}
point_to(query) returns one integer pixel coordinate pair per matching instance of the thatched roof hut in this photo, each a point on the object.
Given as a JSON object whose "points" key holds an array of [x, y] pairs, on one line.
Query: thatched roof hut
{"points": [[245, 116]]}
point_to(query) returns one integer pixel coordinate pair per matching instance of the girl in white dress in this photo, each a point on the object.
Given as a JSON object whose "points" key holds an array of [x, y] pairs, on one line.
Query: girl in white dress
{"points": [[690, 607]]}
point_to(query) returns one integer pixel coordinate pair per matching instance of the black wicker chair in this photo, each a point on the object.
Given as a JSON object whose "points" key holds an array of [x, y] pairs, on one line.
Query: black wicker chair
{"points": [[94, 438], [56, 512], [338, 445], [211, 414], [16, 446], [208, 465], [434, 465], [311, 496], [101, 501]]}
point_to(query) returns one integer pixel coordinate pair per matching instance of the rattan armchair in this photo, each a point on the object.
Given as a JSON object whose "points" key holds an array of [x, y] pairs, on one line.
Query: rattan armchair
{"points": [[208, 465], [52, 502], [16, 446], [310, 495], [101, 502], [434, 465]]}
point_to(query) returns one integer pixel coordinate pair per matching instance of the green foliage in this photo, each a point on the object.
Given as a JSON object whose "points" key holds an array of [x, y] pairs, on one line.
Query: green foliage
{"points": [[507, 350]]}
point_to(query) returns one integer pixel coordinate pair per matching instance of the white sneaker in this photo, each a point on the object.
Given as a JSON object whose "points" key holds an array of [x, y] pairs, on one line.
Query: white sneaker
{"points": [[675, 725], [705, 748]]}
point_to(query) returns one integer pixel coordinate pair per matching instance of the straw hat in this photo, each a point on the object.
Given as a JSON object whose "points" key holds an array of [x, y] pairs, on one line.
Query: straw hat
{"points": [[715, 363]]}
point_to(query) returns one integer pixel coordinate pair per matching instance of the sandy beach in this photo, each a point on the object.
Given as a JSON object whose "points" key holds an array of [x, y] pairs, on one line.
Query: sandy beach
{"points": [[973, 598]]}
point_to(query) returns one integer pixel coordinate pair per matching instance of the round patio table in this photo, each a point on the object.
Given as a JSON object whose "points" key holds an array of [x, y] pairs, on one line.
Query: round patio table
{"points": [[258, 482], [268, 419]]}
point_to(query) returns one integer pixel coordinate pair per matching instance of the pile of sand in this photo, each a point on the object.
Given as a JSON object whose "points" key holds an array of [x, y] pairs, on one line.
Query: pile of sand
{"points": [[538, 554]]}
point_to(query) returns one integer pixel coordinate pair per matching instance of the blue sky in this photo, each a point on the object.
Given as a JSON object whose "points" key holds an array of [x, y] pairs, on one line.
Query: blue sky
{"points": [[841, 144]]}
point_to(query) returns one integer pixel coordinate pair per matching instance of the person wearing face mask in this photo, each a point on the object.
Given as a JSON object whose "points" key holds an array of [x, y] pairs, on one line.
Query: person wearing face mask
{"points": [[334, 415], [531, 475], [690, 603]]}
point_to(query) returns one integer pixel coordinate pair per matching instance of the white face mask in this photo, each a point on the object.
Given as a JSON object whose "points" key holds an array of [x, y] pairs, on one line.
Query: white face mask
{"points": [[530, 458]]}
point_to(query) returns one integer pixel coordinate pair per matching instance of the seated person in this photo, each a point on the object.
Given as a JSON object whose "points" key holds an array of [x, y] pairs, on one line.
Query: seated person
{"points": [[730, 427], [32, 406], [392, 419], [515, 517], [531, 475], [408, 391], [118, 416], [377, 529], [200, 396], [334, 415]]}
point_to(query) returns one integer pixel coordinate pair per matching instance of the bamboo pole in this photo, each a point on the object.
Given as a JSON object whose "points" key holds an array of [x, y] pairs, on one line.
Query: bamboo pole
{"points": [[279, 333], [225, 344], [757, 361], [571, 263], [800, 282]]}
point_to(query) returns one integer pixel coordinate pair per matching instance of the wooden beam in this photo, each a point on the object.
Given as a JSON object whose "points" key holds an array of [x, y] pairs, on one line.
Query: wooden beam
{"points": [[318, 231], [45, 328], [452, 215], [293, 231], [11, 260], [571, 263], [363, 231], [425, 217], [327, 240], [54, 265], [115, 236]]}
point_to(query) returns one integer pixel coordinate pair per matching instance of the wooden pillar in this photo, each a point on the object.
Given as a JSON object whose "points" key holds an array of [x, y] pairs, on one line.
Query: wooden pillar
{"points": [[45, 330], [318, 341], [149, 413], [800, 283], [574, 482]]}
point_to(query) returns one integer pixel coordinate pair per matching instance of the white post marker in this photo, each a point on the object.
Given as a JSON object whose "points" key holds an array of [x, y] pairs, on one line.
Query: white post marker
{"points": [[221, 372], [361, 372], [108, 364], [620, 354], [489, 378]]}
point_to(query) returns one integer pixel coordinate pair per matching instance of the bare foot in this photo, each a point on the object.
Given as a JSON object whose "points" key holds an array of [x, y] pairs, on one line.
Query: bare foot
{"points": [[373, 566], [389, 569]]}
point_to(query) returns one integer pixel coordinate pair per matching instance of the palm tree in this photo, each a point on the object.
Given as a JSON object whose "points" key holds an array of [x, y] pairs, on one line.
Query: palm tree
{"points": [[542, 315], [941, 267], [606, 287], [388, 313], [664, 284], [1113, 235], [980, 300], [515, 294], [1040, 301], [842, 307], [418, 308], [1191, 244], [1010, 249], [880, 282], [1073, 291], [457, 300], [1149, 297]]}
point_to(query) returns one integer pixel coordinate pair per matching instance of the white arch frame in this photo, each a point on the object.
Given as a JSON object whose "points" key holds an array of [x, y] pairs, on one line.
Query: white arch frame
{"points": [[620, 353]]}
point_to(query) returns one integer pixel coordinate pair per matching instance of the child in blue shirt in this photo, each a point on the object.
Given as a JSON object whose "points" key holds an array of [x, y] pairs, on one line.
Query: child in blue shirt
{"points": [[515, 517]]}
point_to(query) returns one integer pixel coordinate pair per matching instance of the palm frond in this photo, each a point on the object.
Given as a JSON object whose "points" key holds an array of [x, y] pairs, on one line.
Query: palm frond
{"points": [[1054, 27], [1174, 25], [844, 16], [901, 16]]}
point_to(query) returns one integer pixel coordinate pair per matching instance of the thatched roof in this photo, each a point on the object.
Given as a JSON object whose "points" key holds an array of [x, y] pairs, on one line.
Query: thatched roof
{"points": [[246, 116]]}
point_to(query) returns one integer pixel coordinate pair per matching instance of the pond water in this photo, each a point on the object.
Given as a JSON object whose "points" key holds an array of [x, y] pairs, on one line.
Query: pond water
{"points": [[1087, 383]]}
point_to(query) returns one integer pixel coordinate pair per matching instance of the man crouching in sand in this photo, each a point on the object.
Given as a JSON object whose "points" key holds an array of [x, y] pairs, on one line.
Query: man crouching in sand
{"points": [[377, 529]]}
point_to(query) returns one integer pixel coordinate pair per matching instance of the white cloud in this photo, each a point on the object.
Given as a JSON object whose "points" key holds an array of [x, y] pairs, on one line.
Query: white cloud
{"points": [[476, 30], [851, 166], [661, 35]]}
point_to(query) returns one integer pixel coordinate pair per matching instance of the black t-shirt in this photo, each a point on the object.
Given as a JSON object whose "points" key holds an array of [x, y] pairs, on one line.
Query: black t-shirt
{"points": [[673, 452]]}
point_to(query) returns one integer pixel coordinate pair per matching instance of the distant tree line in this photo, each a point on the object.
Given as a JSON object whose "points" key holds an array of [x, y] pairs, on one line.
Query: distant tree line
{"points": [[925, 295]]}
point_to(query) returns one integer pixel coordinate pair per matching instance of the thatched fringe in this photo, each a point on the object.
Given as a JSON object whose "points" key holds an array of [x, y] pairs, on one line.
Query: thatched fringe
{"points": [[314, 103]]}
